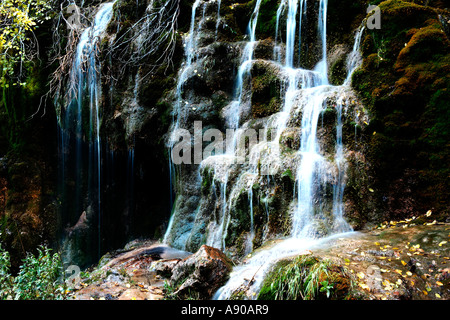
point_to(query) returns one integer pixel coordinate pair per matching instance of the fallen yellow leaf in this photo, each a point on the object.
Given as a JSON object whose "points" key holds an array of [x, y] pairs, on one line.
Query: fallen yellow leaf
{"points": [[438, 295], [442, 243], [364, 286], [403, 263], [409, 273], [428, 213], [439, 283]]}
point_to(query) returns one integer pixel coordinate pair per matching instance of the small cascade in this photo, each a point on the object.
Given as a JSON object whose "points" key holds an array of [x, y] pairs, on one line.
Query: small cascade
{"points": [[354, 59], [233, 115], [338, 188], [231, 197], [178, 114], [79, 123], [277, 47], [190, 51], [322, 67], [182, 105], [308, 174], [219, 3], [218, 228]]}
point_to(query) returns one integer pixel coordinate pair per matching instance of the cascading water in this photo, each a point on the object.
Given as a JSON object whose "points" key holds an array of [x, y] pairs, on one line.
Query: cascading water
{"points": [[322, 67], [182, 106], [218, 230], [189, 52], [354, 58], [233, 116], [313, 170], [79, 123]]}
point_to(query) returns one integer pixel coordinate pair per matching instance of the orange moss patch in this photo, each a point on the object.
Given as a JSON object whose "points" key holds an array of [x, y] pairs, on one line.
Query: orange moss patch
{"points": [[425, 44]]}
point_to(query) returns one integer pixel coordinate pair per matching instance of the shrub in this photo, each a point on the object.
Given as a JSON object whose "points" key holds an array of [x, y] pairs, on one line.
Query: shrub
{"points": [[40, 277], [5, 277]]}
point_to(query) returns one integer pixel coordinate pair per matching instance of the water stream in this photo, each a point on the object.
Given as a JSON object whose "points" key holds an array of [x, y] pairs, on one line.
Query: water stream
{"points": [[311, 98], [79, 125]]}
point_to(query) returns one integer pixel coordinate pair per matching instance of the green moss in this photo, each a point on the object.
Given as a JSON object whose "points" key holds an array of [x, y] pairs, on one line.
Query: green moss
{"points": [[288, 173], [403, 81], [338, 71], [267, 19], [266, 85]]}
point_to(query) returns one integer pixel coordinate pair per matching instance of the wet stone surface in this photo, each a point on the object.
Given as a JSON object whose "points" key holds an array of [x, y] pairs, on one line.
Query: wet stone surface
{"points": [[397, 260]]}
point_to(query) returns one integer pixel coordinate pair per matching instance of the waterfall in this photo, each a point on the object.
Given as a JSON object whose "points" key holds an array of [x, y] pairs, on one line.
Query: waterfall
{"points": [[338, 188], [79, 124], [233, 120], [322, 67], [313, 171], [189, 53], [276, 47], [181, 106], [219, 3], [354, 59], [234, 112]]}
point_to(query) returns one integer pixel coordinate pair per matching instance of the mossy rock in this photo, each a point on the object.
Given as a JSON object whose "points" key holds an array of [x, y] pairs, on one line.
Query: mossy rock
{"points": [[338, 71], [266, 85], [306, 278], [406, 65]]}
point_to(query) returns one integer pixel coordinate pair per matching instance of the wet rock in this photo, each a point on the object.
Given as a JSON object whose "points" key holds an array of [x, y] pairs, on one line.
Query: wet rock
{"points": [[379, 253], [203, 273], [164, 267]]}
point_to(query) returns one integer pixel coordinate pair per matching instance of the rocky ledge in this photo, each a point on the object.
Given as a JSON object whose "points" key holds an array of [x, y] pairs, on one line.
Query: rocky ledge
{"points": [[406, 259]]}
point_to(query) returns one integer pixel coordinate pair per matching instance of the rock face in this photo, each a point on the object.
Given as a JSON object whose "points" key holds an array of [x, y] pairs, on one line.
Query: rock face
{"points": [[238, 206], [203, 273]]}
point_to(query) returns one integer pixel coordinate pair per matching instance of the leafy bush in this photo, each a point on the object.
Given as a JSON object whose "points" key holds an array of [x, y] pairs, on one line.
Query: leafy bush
{"points": [[40, 277], [5, 277]]}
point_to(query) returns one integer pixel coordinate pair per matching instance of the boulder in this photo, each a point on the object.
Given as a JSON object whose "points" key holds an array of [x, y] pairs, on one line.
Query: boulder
{"points": [[203, 273]]}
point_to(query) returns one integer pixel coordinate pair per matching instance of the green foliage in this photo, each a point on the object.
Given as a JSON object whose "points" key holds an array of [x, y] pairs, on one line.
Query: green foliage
{"points": [[40, 277], [288, 173], [326, 287], [268, 18], [306, 278], [18, 20], [169, 291], [5, 277]]}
